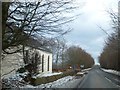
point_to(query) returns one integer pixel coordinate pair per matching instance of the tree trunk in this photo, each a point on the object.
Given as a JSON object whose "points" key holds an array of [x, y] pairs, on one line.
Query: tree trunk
{"points": [[5, 7]]}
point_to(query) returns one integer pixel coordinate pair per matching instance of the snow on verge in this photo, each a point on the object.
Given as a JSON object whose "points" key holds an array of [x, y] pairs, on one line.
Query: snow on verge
{"points": [[81, 73], [112, 71], [86, 69], [47, 74]]}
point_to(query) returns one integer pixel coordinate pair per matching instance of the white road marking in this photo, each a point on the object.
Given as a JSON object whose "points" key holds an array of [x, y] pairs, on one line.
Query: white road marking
{"points": [[118, 86], [117, 80], [108, 79], [112, 82]]}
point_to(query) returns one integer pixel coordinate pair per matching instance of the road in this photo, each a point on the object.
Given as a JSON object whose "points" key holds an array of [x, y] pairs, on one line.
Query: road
{"points": [[96, 78]]}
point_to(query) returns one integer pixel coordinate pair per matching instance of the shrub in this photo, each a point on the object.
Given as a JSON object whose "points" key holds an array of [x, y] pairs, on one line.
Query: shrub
{"points": [[50, 78], [43, 80], [58, 76], [32, 81], [39, 81], [21, 70]]}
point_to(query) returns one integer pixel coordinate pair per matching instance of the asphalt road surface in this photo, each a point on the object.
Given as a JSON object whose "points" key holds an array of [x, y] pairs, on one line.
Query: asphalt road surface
{"points": [[96, 78]]}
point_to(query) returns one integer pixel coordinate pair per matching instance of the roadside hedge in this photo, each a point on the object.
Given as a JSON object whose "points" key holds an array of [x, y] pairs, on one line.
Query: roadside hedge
{"points": [[43, 80]]}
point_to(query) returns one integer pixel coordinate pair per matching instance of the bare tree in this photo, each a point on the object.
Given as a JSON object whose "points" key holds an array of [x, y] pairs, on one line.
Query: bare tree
{"points": [[76, 56], [28, 19], [109, 58], [58, 49]]}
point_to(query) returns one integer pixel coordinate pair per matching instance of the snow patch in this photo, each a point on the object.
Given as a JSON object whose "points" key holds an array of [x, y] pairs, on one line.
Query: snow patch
{"points": [[80, 73], [86, 69], [112, 71], [48, 74], [18, 76]]}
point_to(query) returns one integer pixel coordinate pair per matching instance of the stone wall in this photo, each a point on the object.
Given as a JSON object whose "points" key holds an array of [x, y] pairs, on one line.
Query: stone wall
{"points": [[12, 62]]}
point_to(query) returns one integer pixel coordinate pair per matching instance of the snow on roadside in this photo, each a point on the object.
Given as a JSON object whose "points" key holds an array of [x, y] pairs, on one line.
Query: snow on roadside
{"points": [[48, 74], [15, 80], [16, 76], [80, 72], [112, 71], [71, 84], [86, 69], [54, 84]]}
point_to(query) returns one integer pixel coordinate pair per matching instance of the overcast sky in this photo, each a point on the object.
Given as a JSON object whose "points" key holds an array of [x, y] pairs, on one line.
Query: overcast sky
{"points": [[86, 33]]}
